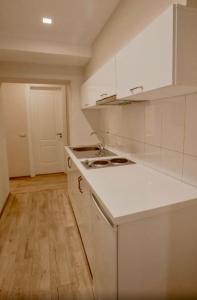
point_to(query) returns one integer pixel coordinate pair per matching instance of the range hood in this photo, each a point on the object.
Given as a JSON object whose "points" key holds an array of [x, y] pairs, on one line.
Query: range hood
{"points": [[112, 100]]}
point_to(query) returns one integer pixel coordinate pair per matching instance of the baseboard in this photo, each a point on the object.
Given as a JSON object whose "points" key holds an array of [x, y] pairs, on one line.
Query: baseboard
{"points": [[4, 205], [20, 177]]}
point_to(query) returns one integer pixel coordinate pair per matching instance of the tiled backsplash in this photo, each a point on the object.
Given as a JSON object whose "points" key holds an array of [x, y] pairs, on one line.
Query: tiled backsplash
{"points": [[160, 133]]}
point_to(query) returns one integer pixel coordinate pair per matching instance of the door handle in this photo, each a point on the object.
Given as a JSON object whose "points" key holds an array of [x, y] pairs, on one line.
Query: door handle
{"points": [[22, 135], [60, 135], [136, 88], [69, 162], [103, 95], [79, 184]]}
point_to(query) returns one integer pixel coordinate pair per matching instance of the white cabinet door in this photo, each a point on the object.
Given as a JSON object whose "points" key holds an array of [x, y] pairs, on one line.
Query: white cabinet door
{"points": [[70, 171], [89, 93], [85, 226], [80, 197], [101, 85], [146, 63], [104, 254], [105, 80], [84, 95]]}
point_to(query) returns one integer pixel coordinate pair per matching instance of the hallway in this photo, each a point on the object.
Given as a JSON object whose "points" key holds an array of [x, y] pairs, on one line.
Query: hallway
{"points": [[41, 254]]}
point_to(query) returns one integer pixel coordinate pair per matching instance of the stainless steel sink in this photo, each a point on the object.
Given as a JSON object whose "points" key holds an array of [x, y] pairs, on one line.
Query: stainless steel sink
{"points": [[91, 152], [85, 148]]}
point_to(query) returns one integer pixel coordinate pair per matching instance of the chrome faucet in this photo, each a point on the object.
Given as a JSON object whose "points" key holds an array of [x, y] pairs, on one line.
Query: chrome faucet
{"points": [[101, 145]]}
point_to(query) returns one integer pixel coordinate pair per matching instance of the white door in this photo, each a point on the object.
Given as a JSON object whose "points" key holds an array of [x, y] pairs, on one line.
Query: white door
{"points": [[47, 129]]}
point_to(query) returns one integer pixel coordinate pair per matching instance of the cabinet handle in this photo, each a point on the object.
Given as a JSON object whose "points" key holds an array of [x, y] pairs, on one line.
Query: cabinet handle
{"points": [[103, 95], [135, 88], [102, 213], [68, 161], [79, 184], [60, 135]]}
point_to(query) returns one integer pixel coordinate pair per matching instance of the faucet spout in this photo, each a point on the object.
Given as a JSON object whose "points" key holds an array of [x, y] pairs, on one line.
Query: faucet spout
{"points": [[101, 145]]}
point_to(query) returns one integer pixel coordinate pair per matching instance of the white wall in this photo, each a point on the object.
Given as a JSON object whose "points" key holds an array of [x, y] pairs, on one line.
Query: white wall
{"points": [[80, 126], [4, 179], [14, 99]]}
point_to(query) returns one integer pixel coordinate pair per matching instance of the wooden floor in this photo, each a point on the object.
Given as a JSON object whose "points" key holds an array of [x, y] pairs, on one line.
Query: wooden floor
{"points": [[41, 255]]}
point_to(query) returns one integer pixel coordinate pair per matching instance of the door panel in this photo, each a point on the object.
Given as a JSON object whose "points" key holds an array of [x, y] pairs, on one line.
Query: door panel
{"points": [[47, 126], [104, 255], [142, 67]]}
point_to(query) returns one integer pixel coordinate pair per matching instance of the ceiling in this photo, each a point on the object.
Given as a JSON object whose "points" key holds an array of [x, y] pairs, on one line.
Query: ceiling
{"points": [[76, 24]]}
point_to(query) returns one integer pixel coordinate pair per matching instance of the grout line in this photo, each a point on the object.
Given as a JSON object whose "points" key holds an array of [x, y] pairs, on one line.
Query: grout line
{"points": [[145, 143]]}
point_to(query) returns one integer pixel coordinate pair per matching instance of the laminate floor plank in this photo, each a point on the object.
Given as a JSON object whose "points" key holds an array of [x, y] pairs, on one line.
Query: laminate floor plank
{"points": [[41, 254]]}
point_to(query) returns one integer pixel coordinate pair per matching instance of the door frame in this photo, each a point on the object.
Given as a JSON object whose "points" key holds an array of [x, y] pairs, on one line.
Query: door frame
{"points": [[62, 88]]}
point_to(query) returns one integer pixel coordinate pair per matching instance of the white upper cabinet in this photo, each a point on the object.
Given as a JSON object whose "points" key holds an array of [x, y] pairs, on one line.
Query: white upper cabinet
{"points": [[88, 93], [161, 60], [105, 80], [101, 85]]}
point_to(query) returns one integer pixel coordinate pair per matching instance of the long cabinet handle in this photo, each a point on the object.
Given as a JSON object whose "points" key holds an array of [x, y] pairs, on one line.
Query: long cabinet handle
{"points": [[101, 212], [79, 184], [103, 95], [135, 88], [69, 161]]}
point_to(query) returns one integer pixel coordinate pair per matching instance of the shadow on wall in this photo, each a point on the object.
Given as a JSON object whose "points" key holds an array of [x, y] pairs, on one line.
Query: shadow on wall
{"points": [[92, 116]]}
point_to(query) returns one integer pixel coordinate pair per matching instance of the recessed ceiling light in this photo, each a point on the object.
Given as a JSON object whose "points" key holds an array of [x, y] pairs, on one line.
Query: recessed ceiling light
{"points": [[47, 20]]}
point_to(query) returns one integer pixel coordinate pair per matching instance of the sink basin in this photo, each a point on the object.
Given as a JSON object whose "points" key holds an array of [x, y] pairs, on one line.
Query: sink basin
{"points": [[89, 148], [91, 152]]}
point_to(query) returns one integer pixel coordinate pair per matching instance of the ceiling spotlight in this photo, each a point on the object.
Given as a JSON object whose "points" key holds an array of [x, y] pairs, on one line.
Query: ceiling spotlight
{"points": [[47, 20]]}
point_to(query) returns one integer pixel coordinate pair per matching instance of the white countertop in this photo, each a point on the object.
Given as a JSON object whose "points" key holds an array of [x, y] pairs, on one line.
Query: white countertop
{"points": [[135, 191]]}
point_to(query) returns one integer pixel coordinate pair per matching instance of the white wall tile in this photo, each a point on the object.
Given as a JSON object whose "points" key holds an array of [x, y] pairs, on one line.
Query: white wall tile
{"points": [[103, 119], [152, 156], [190, 146], [153, 123], [155, 132], [190, 169], [135, 147], [115, 120], [173, 122], [134, 121], [172, 163]]}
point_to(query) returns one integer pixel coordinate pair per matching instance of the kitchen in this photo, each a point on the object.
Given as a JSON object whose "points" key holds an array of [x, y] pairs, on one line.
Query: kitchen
{"points": [[113, 96]]}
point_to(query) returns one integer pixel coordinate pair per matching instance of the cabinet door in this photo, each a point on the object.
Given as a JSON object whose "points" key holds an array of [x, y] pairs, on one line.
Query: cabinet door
{"points": [[81, 204], [146, 63], [105, 80], [69, 168], [101, 85], [104, 254], [85, 226], [89, 93], [84, 95]]}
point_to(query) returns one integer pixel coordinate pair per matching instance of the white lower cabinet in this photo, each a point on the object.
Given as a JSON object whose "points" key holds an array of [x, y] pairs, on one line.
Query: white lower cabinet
{"points": [[104, 255], [80, 198], [149, 257]]}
